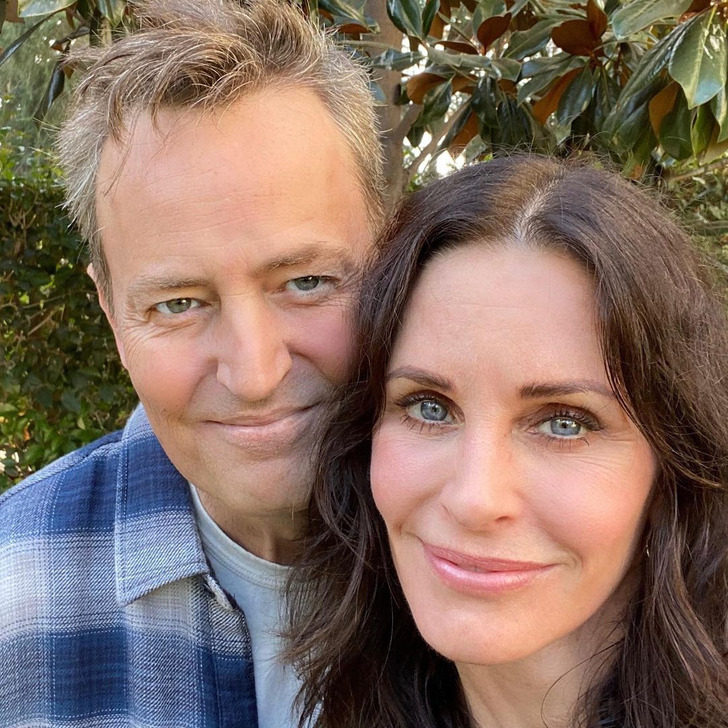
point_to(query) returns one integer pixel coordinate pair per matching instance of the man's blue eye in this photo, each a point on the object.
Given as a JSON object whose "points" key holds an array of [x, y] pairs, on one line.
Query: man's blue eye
{"points": [[177, 305], [306, 283]]}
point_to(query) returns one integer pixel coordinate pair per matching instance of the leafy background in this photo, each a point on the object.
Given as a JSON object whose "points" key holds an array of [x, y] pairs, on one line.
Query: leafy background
{"points": [[640, 85]]}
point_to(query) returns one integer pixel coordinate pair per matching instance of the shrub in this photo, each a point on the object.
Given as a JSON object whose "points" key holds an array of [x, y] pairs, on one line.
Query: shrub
{"points": [[61, 380]]}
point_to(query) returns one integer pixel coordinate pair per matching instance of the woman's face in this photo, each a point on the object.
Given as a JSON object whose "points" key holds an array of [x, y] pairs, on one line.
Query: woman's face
{"points": [[512, 484]]}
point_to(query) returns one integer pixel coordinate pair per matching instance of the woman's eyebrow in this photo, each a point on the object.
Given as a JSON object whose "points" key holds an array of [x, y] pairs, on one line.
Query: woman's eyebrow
{"points": [[422, 377], [560, 389]]}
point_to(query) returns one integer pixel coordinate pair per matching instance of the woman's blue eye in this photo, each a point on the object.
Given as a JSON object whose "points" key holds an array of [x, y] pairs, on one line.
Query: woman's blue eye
{"points": [[306, 283], [431, 410], [563, 427], [177, 305]]}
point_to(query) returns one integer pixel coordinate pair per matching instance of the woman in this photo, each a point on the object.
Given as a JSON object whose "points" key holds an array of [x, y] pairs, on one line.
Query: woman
{"points": [[542, 392]]}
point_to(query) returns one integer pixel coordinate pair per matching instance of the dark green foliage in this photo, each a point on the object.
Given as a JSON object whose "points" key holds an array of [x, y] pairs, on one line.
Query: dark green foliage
{"points": [[61, 382]]}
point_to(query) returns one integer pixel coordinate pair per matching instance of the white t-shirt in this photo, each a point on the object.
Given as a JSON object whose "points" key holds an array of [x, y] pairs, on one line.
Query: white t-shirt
{"points": [[256, 586]]}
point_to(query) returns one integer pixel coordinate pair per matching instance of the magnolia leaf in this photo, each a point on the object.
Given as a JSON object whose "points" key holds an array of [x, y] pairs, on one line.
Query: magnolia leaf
{"points": [[346, 12], [436, 103], [406, 15], [699, 61], [652, 64], [661, 104], [506, 68], [20, 40], [606, 93], [719, 107], [544, 74], [419, 85], [428, 15], [674, 133], [575, 36], [639, 14], [493, 28], [549, 102], [459, 46], [392, 60], [524, 43], [701, 130], [53, 91], [573, 102], [29, 8], [597, 19], [484, 103], [716, 148], [487, 9]]}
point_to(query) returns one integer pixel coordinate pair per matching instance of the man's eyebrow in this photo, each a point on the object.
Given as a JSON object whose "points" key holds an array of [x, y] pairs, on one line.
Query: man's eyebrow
{"points": [[311, 254], [164, 282], [422, 377], [561, 389]]}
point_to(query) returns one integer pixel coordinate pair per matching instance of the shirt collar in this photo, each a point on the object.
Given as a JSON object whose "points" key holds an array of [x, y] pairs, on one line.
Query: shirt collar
{"points": [[155, 539]]}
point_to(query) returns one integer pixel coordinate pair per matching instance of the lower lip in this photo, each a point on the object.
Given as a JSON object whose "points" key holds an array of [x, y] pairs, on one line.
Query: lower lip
{"points": [[483, 582], [272, 437]]}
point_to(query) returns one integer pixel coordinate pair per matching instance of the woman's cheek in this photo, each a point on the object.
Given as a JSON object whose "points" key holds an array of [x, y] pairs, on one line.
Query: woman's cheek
{"points": [[407, 469]]}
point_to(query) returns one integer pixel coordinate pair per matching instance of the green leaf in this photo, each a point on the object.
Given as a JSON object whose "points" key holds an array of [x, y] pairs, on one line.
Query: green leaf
{"points": [[543, 71], [406, 15], [29, 8], [112, 10], [573, 102], [639, 14], [507, 68], [652, 64], [485, 103], [428, 15], [393, 60], [630, 119], [699, 61], [436, 104], [487, 9], [70, 401], [701, 130], [606, 94], [345, 11], [53, 91], [525, 43], [19, 41], [719, 107], [675, 130]]}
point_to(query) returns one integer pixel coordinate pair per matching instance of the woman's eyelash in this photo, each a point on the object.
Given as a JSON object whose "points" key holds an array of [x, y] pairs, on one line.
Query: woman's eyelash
{"points": [[580, 416]]}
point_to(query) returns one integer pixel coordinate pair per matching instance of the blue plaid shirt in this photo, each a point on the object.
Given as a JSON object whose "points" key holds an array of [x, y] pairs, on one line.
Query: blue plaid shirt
{"points": [[109, 616]]}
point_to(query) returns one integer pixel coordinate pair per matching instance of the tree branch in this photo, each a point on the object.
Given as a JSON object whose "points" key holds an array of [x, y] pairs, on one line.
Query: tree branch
{"points": [[411, 171]]}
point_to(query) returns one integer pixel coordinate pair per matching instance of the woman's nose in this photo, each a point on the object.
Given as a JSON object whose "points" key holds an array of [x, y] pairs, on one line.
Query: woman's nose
{"points": [[485, 489]]}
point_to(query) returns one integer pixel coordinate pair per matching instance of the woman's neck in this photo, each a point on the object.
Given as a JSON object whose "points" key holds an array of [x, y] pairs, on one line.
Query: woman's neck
{"points": [[543, 689]]}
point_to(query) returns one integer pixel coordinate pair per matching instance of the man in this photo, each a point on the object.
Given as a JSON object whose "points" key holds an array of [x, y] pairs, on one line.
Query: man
{"points": [[223, 164]]}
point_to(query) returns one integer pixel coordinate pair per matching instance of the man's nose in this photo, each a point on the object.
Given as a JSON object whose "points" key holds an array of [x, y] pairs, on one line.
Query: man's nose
{"points": [[253, 356], [485, 489]]}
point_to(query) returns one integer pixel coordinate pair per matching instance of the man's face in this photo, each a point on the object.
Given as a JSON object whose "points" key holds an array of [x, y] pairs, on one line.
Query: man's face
{"points": [[233, 242]]}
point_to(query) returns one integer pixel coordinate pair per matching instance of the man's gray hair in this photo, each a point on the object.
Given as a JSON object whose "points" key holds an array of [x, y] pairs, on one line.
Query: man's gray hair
{"points": [[208, 54]]}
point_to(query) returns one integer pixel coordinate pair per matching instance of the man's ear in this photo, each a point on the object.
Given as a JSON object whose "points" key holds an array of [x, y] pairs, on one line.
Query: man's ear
{"points": [[109, 315]]}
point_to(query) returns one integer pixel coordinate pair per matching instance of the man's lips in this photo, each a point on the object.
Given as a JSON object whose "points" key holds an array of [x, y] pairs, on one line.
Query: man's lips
{"points": [[261, 420], [482, 574], [265, 435]]}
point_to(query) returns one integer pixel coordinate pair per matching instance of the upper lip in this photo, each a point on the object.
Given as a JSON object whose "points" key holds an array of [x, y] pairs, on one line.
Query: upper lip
{"points": [[260, 420], [483, 563]]}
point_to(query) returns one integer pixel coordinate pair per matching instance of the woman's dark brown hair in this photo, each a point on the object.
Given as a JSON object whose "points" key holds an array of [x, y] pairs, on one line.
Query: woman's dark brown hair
{"points": [[664, 340]]}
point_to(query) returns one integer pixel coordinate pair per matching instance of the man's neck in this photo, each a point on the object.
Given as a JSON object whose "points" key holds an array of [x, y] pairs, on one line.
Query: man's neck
{"points": [[272, 537]]}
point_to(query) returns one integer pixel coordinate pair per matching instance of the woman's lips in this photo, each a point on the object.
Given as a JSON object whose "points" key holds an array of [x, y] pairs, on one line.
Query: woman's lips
{"points": [[482, 575]]}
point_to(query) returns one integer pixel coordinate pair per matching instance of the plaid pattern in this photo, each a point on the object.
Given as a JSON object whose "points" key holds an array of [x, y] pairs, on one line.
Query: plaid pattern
{"points": [[109, 617]]}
